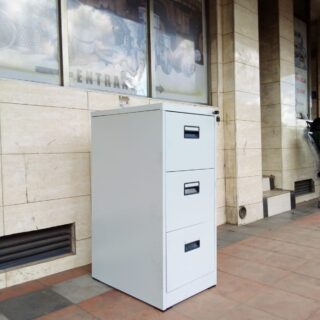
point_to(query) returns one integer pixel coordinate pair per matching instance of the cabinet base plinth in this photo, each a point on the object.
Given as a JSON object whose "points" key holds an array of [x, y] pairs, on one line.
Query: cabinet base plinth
{"points": [[190, 289]]}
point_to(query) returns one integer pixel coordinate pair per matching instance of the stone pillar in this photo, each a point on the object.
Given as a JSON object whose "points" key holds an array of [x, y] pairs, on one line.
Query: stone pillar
{"points": [[270, 89], [287, 94], [286, 153], [241, 107], [279, 132], [216, 93]]}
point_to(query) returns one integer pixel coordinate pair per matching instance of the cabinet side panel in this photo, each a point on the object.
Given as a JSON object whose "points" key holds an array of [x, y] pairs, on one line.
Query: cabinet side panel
{"points": [[215, 230], [127, 235]]}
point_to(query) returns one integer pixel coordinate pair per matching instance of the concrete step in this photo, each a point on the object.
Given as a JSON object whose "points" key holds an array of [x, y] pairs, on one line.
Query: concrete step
{"points": [[277, 201]]}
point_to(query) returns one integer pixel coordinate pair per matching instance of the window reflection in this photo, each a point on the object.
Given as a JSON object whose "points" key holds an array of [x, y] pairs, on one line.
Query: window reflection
{"points": [[179, 67], [107, 45], [301, 69], [29, 40]]}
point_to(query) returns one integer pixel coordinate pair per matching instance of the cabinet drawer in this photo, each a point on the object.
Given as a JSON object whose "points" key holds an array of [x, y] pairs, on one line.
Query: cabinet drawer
{"points": [[190, 254], [189, 198], [189, 141]]}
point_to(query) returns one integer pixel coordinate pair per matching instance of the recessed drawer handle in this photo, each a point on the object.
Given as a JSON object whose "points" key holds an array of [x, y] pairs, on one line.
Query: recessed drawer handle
{"points": [[192, 246], [191, 132], [191, 188]]}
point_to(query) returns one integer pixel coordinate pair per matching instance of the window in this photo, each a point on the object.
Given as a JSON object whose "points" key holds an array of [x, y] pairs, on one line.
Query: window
{"points": [[301, 69], [29, 40], [108, 45], [302, 59], [151, 48], [179, 56]]}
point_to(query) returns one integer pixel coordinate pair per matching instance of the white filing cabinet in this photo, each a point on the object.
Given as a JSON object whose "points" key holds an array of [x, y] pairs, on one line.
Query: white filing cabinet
{"points": [[153, 201]]}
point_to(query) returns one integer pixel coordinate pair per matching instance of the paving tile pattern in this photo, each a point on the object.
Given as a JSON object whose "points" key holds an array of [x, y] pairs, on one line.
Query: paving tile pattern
{"points": [[268, 270], [81, 288], [33, 305]]}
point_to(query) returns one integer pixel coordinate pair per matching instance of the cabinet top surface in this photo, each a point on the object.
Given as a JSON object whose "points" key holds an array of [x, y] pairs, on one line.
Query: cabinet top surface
{"points": [[205, 110]]}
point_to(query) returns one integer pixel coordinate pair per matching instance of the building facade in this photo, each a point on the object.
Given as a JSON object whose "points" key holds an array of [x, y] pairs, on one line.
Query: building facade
{"points": [[255, 60]]}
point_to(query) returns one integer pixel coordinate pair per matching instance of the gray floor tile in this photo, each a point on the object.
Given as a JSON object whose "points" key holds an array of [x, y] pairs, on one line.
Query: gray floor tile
{"points": [[33, 305], [79, 289], [298, 214], [3, 317], [229, 234], [258, 229], [226, 237]]}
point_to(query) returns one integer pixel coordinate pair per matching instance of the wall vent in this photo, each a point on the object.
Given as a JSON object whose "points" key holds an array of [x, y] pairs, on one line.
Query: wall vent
{"points": [[37, 245], [304, 187]]}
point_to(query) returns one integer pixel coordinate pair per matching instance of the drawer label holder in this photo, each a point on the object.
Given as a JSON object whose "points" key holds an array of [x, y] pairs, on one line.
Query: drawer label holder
{"points": [[191, 132], [191, 188]]}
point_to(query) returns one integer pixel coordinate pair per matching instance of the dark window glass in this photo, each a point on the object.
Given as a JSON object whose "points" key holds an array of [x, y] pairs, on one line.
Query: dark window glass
{"points": [[107, 45], [179, 56], [29, 40], [301, 69]]}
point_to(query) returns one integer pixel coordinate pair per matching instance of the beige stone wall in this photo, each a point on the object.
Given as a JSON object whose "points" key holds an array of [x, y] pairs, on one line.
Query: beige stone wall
{"points": [[235, 90], [215, 42], [298, 161], [286, 153], [45, 134], [45, 166], [241, 108], [270, 89], [301, 162]]}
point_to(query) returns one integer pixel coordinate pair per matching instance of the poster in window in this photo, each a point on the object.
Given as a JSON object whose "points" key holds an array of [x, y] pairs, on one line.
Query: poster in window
{"points": [[29, 40], [107, 45], [301, 69], [179, 53]]}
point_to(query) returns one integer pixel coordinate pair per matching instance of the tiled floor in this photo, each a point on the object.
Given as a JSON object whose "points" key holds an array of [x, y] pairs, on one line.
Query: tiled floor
{"points": [[268, 270]]}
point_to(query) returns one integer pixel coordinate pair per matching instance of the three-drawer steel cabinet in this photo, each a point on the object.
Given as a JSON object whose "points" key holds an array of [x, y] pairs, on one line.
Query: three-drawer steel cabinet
{"points": [[153, 201]]}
